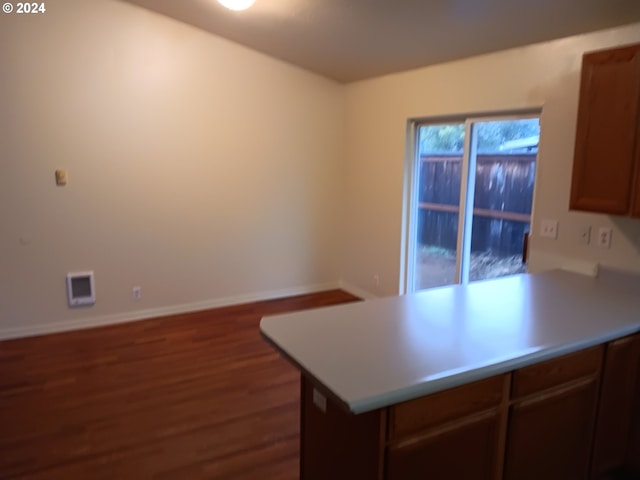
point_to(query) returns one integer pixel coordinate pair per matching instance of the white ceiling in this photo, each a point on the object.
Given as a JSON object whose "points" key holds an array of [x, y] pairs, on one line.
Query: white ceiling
{"points": [[349, 40]]}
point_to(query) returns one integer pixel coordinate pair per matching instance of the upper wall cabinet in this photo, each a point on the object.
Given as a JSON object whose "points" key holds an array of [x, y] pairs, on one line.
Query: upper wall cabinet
{"points": [[606, 168]]}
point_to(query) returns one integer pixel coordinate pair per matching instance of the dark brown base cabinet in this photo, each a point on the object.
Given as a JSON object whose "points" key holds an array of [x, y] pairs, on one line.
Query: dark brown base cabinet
{"points": [[617, 443], [571, 418]]}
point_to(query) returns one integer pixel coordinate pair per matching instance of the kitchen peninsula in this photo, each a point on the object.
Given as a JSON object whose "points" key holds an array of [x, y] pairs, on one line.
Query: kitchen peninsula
{"points": [[526, 377]]}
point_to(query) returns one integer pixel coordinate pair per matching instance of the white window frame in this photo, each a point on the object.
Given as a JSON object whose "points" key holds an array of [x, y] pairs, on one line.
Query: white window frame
{"points": [[467, 190]]}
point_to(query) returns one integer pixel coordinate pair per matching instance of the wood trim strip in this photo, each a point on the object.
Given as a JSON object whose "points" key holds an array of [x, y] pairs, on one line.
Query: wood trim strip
{"points": [[482, 212], [504, 427], [382, 443], [439, 207], [303, 427], [481, 158]]}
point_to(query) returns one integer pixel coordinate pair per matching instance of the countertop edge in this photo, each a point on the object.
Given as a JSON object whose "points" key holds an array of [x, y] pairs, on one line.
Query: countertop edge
{"points": [[462, 378], [456, 379], [560, 324]]}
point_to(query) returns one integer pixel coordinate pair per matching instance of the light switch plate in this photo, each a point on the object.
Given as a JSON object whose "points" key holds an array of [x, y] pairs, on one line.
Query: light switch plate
{"points": [[61, 178], [584, 235]]}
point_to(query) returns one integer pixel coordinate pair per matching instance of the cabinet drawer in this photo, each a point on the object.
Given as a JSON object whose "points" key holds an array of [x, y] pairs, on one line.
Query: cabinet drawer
{"points": [[414, 415], [468, 450], [554, 372]]}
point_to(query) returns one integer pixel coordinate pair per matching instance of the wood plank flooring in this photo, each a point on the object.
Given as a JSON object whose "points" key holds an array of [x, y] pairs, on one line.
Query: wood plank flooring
{"points": [[191, 396]]}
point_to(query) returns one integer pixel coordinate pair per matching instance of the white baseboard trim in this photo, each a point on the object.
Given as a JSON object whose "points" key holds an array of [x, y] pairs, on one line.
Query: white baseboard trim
{"points": [[357, 291], [124, 317]]}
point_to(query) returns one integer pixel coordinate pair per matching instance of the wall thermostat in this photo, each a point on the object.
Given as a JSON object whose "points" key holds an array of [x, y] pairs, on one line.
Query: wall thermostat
{"points": [[81, 289]]}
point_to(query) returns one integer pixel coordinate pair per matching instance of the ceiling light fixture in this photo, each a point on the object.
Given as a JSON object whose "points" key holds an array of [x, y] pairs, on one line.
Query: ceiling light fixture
{"points": [[237, 4]]}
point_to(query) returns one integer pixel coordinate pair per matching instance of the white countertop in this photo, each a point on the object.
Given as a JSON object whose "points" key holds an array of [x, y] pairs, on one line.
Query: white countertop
{"points": [[380, 352]]}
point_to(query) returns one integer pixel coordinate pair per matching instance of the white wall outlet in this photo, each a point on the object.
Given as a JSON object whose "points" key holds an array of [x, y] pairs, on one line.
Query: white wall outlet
{"points": [[549, 229], [604, 237], [136, 293], [584, 235], [320, 401], [376, 280]]}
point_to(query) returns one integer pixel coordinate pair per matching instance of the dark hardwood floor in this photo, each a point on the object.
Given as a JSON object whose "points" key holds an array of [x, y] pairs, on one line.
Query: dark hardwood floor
{"points": [[191, 396]]}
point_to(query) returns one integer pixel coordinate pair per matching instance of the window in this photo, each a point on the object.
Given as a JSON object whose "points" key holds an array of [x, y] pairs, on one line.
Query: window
{"points": [[471, 198]]}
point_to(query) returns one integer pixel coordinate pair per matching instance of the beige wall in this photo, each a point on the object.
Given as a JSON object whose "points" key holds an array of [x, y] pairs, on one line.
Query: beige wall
{"points": [[210, 174], [200, 170], [543, 75]]}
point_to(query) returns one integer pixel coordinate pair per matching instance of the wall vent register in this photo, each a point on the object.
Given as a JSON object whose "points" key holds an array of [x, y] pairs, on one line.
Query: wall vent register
{"points": [[81, 289]]}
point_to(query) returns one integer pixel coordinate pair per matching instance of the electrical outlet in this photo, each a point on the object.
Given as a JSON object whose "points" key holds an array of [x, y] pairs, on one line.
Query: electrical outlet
{"points": [[584, 235], [549, 229], [136, 293], [376, 280], [604, 237]]}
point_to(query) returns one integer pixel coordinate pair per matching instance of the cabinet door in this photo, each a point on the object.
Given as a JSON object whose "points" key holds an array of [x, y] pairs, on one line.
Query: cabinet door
{"points": [[635, 212], [633, 451], [549, 434], [467, 450], [615, 409], [605, 154]]}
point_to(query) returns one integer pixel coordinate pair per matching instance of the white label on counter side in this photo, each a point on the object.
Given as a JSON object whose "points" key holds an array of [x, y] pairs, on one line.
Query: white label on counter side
{"points": [[319, 400]]}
